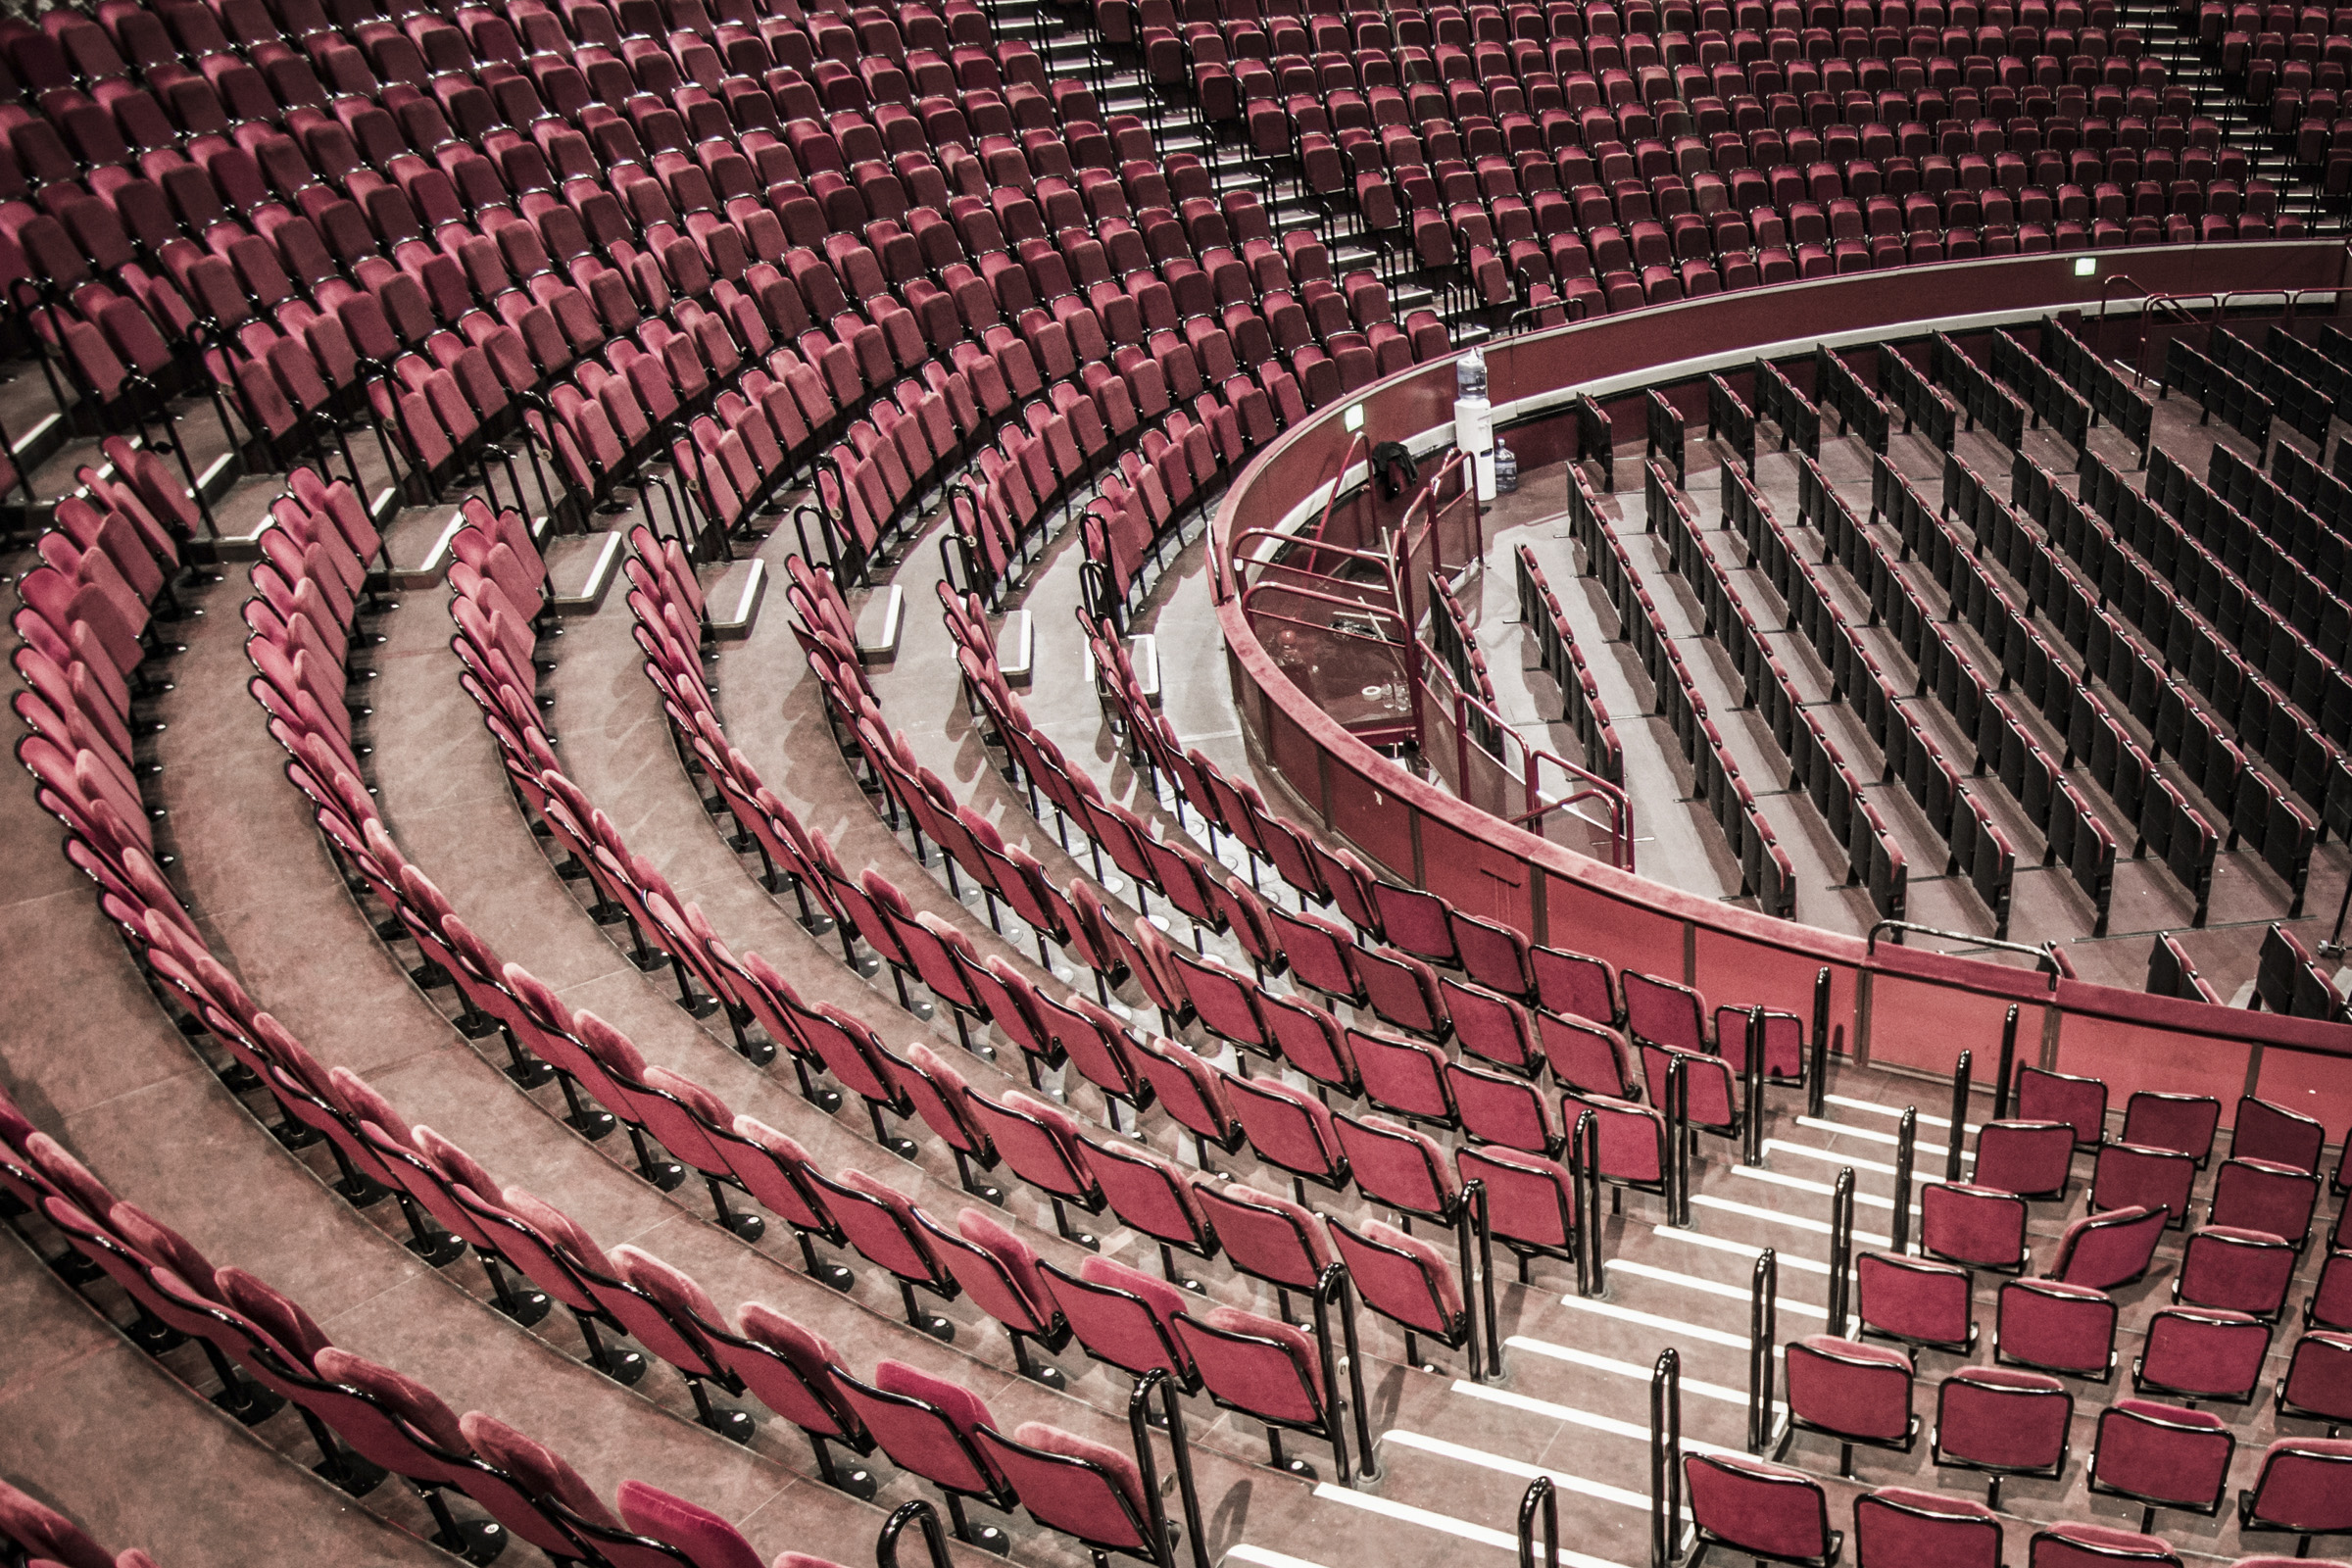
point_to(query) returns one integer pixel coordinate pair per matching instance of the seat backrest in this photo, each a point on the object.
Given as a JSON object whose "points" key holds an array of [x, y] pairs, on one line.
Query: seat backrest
{"points": [[2130, 1175], [2002, 1419], [2182, 1123], [1576, 984], [1255, 1364], [1664, 1012], [2031, 1158], [2330, 1303], [2264, 1131], [1585, 1055], [1971, 1224], [1896, 1526], [1074, 1485], [2081, 1102], [2163, 1453], [904, 1410], [1289, 1129], [2258, 1195], [1530, 1200], [2198, 1353], [2108, 1248], [2319, 1379], [1914, 1299], [1122, 1317], [2305, 1487], [1632, 1137], [1400, 1277], [2083, 1545], [2243, 1271], [1265, 1237], [1766, 1510], [1397, 1167], [2056, 1326], [1849, 1388]]}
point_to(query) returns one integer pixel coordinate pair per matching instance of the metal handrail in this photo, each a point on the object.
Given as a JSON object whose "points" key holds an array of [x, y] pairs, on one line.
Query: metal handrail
{"points": [[1666, 1459], [2046, 953], [1961, 1071], [1332, 1288], [1677, 1134], [1227, 570], [1359, 439], [935, 1539], [1368, 607], [1751, 1089], [1584, 1166], [1540, 1494], [1139, 1424], [1906, 1143], [1377, 557], [1473, 1195], [2008, 1077], [1842, 1248], [1620, 825], [1763, 1340], [2176, 304], [1817, 1068]]}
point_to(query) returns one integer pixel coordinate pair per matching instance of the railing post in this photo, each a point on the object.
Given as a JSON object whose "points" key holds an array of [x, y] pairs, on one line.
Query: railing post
{"points": [[1763, 1337], [1817, 1074], [935, 1539], [1539, 1493], [1666, 1459], [2008, 1078], [1139, 1423], [1842, 1248], [1332, 1288], [1584, 1164], [1474, 1199], [1678, 1136], [1906, 1141], [1751, 1088], [1960, 1078]]}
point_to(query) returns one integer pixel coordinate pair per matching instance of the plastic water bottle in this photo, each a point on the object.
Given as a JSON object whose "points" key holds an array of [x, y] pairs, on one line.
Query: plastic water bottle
{"points": [[1470, 374], [1506, 470]]}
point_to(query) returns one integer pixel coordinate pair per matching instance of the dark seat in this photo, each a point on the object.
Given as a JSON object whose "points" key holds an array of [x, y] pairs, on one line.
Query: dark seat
{"points": [[2002, 1422]]}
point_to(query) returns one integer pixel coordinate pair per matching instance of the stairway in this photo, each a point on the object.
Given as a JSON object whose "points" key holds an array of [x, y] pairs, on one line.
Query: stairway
{"points": [[1075, 47], [2245, 124]]}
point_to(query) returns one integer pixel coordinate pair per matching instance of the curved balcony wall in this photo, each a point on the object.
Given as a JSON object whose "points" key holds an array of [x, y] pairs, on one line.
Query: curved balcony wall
{"points": [[1896, 1006]]}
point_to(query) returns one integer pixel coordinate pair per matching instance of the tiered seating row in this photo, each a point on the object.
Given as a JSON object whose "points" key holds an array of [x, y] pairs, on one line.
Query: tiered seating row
{"points": [[1561, 659], [366, 1419], [2266, 720], [2256, 810], [1874, 861], [1764, 867], [1979, 849]]}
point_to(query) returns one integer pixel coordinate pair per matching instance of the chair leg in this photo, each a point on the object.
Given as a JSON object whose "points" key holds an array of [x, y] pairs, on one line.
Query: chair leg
{"points": [[665, 1174], [525, 1307], [749, 1227], [736, 1424], [477, 1541], [902, 1146], [833, 1274], [973, 1184], [988, 1537], [1298, 1467], [624, 1367], [1035, 1371], [1061, 1223], [858, 1482], [931, 1323]]}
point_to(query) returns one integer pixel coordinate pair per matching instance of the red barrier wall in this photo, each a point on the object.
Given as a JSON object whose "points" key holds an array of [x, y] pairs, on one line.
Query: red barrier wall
{"points": [[1900, 1007]]}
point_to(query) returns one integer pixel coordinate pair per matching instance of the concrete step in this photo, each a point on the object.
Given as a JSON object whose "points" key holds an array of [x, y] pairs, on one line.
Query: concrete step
{"points": [[732, 597], [580, 568]]}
